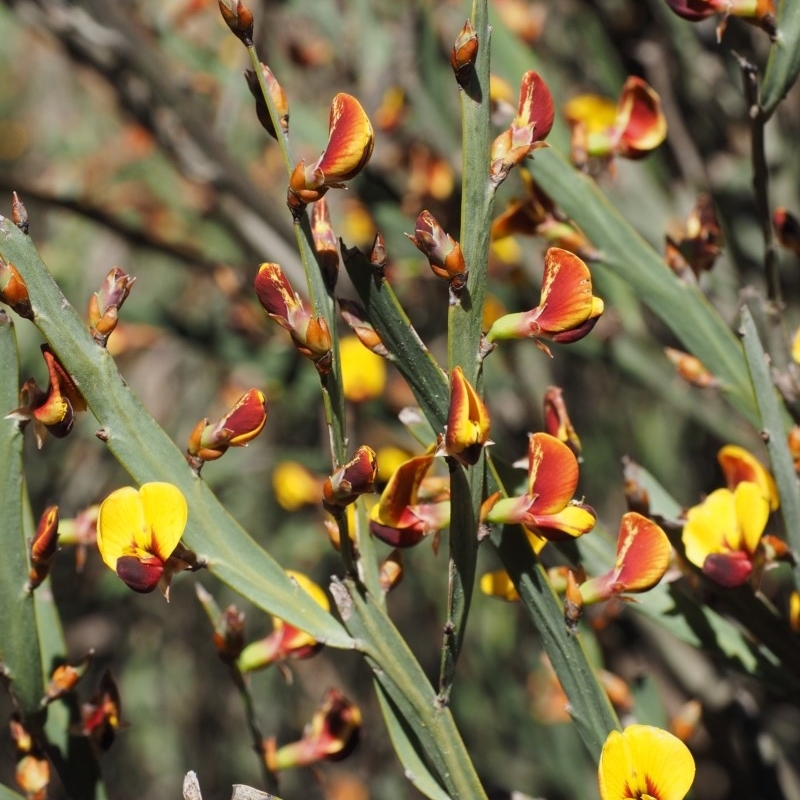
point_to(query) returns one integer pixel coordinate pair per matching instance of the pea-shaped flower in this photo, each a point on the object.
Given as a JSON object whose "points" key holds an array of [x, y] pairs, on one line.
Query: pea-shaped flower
{"points": [[138, 531]]}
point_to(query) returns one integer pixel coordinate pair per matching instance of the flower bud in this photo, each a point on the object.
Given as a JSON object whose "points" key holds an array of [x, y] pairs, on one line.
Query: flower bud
{"points": [[13, 291], [468, 423], [65, 677], [19, 214], [350, 481], [239, 19], [105, 304], [442, 251], [237, 428], [356, 317], [277, 95], [325, 243], [464, 53], [557, 422], [44, 547]]}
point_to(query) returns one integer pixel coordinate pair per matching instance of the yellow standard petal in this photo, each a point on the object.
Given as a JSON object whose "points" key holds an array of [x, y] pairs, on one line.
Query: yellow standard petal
{"points": [[165, 514], [644, 761], [752, 511], [119, 525], [711, 527]]}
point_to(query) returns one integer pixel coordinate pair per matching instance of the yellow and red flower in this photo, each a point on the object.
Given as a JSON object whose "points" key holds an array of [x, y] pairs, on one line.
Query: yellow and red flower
{"points": [[139, 530], [722, 534], [694, 250], [52, 411], [547, 509], [285, 641], [331, 735], [237, 428], [310, 334], [101, 717], [528, 130], [567, 310], [643, 554], [644, 762], [350, 143], [631, 128], [787, 229], [468, 422], [401, 518]]}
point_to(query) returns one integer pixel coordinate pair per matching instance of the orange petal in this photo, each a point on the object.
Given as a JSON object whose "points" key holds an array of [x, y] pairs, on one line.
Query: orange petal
{"points": [[276, 294], [467, 420], [552, 473], [740, 465], [641, 125], [643, 552], [401, 490], [247, 418], [566, 300], [350, 141], [535, 105]]}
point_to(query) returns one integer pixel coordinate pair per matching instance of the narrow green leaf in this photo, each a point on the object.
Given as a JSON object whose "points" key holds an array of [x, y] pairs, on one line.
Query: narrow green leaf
{"points": [[783, 65], [462, 565], [590, 707], [681, 306], [774, 434], [19, 642], [147, 453], [407, 748], [405, 683]]}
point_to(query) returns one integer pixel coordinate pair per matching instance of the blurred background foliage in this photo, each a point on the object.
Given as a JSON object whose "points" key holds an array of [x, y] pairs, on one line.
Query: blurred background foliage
{"points": [[129, 132]]}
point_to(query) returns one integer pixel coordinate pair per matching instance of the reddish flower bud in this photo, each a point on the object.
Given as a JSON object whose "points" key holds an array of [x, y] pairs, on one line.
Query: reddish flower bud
{"points": [[356, 317], [325, 243], [310, 335], [691, 369], [239, 19], [65, 677], [105, 304], [464, 53], [332, 735], [44, 547], [528, 130], [442, 251], [757, 12], [237, 428], [468, 423], [351, 480], [277, 95], [13, 291]]}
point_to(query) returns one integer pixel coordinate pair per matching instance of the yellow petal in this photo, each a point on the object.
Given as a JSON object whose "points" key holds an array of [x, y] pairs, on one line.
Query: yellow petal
{"points": [[645, 761], [363, 372], [710, 526], [120, 524], [752, 511], [499, 584], [165, 514]]}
